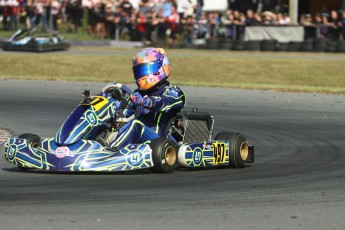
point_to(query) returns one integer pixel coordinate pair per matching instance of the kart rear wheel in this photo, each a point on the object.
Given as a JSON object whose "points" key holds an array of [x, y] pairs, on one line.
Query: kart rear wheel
{"points": [[32, 139], [164, 155], [238, 148]]}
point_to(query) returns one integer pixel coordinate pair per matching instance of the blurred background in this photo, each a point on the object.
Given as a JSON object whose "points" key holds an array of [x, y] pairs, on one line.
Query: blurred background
{"points": [[286, 25]]}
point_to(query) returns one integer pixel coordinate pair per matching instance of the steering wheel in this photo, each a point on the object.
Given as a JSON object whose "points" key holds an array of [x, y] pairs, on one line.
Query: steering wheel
{"points": [[119, 86], [119, 92]]}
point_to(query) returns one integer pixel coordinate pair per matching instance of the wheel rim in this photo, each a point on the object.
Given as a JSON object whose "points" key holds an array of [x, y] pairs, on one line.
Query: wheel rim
{"points": [[244, 151], [35, 145], [170, 155]]}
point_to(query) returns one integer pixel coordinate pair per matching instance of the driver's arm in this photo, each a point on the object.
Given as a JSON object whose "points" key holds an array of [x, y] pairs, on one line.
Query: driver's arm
{"points": [[172, 98]]}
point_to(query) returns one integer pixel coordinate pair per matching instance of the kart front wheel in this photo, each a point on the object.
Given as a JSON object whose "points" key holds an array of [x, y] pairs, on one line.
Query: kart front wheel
{"points": [[31, 139], [164, 155], [238, 148]]}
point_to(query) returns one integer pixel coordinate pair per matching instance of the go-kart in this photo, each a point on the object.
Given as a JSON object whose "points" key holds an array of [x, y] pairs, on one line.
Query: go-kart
{"points": [[25, 40], [82, 144]]}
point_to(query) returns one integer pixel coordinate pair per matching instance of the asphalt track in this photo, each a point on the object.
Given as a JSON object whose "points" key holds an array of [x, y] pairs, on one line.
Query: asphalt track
{"points": [[297, 181]]}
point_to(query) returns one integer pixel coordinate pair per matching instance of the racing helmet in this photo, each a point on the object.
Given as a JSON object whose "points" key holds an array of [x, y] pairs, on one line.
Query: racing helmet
{"points": [[150, 67]]}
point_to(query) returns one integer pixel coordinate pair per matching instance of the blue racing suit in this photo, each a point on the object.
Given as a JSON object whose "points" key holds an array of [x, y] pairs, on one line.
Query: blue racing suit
{"points": [[166, 102]]}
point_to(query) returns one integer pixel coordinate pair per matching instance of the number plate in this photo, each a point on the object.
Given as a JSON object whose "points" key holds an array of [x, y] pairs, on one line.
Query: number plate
{"points": [[98, 103], [219, 153]]}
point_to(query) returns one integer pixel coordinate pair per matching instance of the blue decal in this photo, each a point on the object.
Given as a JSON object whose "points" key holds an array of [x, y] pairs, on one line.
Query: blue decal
{"points": [[135, 158], [12, 150], [91, 118], [173, 93], [117, 105], [197, 156]]}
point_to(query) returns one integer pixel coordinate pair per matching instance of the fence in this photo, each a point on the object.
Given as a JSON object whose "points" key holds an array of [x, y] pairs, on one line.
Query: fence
{"points": [[267, 38]]}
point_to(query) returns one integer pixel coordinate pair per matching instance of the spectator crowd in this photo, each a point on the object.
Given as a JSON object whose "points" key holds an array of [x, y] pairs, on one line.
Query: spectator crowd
{"points": [[329, 25], [152, 20]]}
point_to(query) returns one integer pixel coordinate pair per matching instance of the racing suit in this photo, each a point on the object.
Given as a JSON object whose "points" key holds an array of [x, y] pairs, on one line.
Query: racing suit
{"points": [[166, 102]]}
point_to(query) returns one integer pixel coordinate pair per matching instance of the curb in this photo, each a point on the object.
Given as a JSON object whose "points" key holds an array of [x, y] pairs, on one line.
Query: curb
{"points": [[4, 135]]}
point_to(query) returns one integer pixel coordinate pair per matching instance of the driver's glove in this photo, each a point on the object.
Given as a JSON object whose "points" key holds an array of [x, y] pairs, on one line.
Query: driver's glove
{"points": [[117, 105], [138, 100]]}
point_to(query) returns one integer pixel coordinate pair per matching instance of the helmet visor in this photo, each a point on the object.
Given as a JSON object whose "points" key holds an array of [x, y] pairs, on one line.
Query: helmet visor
{"points": [[146, 69]]}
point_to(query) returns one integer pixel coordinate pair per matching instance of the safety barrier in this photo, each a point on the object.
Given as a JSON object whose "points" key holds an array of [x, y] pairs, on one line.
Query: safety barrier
{"points": [[285, 39], [309, 45], [258, 38]]}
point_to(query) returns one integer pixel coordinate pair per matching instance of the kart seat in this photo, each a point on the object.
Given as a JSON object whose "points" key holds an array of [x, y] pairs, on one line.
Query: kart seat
{"points": [[191, 127]]}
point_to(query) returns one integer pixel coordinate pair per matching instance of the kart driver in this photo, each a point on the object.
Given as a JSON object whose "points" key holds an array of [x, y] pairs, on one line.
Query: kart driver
{"points": [[155, 101]]}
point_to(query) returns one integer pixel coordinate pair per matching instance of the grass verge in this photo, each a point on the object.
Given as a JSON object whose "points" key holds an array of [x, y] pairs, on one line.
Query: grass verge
{"points": [[204, 68]]}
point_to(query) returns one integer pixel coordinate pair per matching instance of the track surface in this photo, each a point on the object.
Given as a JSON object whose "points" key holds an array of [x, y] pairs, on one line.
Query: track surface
{"points": [[297, 181]]}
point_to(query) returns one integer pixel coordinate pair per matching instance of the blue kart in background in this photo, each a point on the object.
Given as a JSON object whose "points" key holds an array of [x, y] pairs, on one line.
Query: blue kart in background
{"points": [[25, 40], [82, 144]]}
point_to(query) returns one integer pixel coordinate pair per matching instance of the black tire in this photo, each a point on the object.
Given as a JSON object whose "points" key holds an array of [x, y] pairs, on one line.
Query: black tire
{"points": [[252, 46], [283, 47], [294, 46], [238, 148], [320, 44], [225, 45], [340, 47], [320, 47], [32, 139], [164, 155], [213, 44], [268, 45], [331, 46], [238, 45], [307, 46]]}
